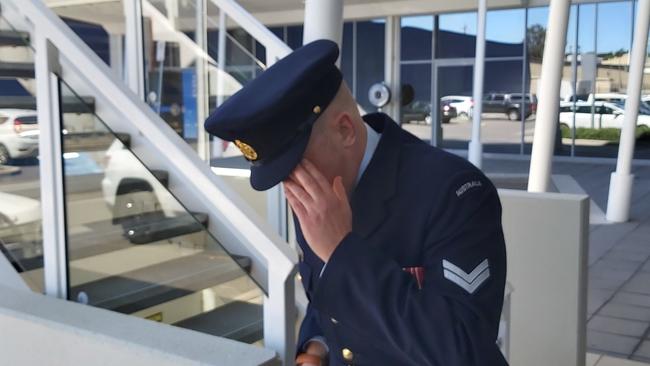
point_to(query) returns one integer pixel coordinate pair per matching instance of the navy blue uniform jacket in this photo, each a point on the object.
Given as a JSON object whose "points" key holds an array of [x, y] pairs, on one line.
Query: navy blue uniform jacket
{"points": [[415, 206]]}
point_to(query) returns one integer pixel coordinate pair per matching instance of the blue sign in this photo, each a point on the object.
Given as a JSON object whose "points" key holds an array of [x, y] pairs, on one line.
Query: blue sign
{"points": [[190, 128]]}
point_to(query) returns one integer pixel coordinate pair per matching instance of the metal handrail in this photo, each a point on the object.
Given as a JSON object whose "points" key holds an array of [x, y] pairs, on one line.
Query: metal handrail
{"points": [[232, 221], [274, 45]]}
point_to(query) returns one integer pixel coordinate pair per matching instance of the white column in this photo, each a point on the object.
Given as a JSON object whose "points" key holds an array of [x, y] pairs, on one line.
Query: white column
{"points": [[392, 66], [51, 167], [202, 93], [475, 148], [134, 47], [549, 100], [620, 187], [323, 20]]}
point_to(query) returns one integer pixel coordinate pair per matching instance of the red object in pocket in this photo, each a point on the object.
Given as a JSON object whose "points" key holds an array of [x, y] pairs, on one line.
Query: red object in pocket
{"points": [[418, 273]]}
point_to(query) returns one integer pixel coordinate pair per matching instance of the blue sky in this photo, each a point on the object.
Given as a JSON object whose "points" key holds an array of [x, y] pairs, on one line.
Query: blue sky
{"points": [[614, 25]]}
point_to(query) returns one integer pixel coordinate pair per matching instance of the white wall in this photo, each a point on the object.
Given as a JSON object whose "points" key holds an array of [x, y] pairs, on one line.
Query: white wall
{"points": [[547, 241]]}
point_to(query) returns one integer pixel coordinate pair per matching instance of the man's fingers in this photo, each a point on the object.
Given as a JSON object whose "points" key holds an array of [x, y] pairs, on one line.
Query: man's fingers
{"points": [[295, 204], [316, 174], [308, 183], [299, 193], [339, 190]]}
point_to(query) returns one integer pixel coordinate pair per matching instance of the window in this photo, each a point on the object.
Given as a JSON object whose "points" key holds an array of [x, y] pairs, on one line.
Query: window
{"points": [[498, 98]]}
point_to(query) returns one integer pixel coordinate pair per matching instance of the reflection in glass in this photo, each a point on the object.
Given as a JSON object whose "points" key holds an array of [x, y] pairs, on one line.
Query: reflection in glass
{"points": [[416, 33], [21, 239], [135, 249], [613, 46], [505, 33], [456, 35], [370, 62], [416, 114]]}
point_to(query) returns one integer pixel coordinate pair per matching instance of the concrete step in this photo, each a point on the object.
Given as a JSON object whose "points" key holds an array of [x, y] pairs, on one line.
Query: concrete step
{"points": [[16, 70], [238, 320], [162, 282], [13, 38]]}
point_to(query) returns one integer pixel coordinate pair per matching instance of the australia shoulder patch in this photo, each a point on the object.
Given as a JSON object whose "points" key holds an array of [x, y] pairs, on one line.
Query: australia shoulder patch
{"points": [[467, 186]]}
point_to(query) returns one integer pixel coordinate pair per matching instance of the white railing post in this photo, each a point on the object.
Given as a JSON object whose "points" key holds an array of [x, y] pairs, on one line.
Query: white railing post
{"points": [[620, 187], [51, 166], [547, 112], [475, 148], [134, 47], [202, 94], [280, 314]]}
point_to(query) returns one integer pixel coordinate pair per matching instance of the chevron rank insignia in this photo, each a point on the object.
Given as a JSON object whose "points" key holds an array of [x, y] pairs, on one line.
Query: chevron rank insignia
{"points": [[469, 282]]}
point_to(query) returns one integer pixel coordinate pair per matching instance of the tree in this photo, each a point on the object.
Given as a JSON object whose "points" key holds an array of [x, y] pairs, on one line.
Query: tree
{"points": [[535, 37]]}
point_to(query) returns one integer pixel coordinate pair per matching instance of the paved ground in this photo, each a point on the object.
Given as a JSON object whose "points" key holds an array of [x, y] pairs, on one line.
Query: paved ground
{"points": [[500, 135], [619, 261]]}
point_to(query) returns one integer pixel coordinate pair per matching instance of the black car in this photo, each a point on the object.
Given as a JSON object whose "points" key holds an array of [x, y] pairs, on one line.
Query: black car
{"points": [[420, 111], [509, 104]]}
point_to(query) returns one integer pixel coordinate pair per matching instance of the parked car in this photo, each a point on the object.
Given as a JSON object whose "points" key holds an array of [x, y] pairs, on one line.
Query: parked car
{"points": [[463, 104], [20, 226], [420, 111], [509, 104], [127, 180], [18, 134], [606, 115]]}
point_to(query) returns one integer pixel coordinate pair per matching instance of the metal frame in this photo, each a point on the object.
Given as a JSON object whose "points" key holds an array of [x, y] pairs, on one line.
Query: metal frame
{"points": [[55, 263]]}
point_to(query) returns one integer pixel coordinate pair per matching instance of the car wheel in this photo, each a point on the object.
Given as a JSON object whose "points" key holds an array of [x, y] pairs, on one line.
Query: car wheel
{"points": [[5, 158], [513, 115]]}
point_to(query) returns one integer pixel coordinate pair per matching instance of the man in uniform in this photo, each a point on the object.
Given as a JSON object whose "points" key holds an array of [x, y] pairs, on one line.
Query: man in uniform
{"points": [[403, 257]]}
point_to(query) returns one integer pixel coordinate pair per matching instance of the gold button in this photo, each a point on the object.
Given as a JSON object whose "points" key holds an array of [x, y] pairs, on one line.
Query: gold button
{"points": [[334, 321], [347, 354], [299, 277], [317, 109]]}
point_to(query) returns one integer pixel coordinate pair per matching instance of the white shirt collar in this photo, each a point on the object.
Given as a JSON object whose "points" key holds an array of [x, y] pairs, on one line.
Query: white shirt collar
{"points": [[372, 141]]}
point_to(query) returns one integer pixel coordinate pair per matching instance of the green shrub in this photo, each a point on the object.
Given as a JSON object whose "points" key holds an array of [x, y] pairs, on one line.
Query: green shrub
{"points": [[605, 134]]}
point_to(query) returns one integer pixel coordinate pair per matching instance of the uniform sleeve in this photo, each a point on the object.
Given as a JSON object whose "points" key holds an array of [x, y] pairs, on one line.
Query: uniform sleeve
{"points": [[453, 319], [310, 329]]}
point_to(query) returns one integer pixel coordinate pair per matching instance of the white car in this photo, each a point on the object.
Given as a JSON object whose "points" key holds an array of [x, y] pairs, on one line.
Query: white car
{"points": [[463, 104], [18, 134], [128, 186], [606, 115], [20, 225]]}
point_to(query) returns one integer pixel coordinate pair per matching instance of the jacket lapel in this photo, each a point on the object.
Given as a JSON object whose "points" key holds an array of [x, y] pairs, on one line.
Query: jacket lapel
{"points": [[378, 183]]}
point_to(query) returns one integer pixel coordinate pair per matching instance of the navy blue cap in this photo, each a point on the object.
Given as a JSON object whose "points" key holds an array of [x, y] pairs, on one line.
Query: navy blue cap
{"points": [[270, 119]]}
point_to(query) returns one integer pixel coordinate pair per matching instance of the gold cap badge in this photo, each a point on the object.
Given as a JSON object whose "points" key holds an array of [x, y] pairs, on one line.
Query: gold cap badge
{"points": [[247, 150]]}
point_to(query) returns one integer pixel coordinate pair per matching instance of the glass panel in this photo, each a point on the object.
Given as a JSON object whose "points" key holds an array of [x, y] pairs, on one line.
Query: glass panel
{"points": [[535, 37], [347, 55], [370, 59], [416, 115], [502, 112], [505, 33], [21, 240], [456, 35], [135, 249], [455, 89], [416, 33], [99, 24]]}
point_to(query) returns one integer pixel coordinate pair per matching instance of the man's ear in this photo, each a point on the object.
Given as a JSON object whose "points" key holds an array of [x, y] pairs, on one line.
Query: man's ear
{"points": [[344, 129]]}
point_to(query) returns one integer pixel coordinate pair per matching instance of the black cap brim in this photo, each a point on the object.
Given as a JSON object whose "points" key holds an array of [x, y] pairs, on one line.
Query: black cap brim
{"points": [[265, 176]]}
